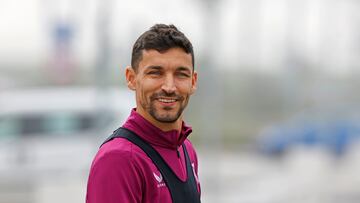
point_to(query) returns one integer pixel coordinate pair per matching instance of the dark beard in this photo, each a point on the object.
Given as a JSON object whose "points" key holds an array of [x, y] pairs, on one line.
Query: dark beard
{"points": [[167, 118]]}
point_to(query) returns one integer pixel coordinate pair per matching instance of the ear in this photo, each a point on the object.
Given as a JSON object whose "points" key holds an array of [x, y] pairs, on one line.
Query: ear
{"points": [[130, 77], [194, 82]]}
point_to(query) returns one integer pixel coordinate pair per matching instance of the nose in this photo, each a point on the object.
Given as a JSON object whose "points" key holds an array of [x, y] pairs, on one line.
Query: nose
{"points": [[169, 84]]}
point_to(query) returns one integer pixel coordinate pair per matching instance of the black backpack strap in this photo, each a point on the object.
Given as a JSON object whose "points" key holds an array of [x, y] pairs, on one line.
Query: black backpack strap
{"points": [[179, 190], [191, 189]]}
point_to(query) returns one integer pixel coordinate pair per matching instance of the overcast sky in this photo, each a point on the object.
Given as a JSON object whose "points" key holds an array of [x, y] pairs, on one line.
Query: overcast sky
{"points": [[250, 33]]}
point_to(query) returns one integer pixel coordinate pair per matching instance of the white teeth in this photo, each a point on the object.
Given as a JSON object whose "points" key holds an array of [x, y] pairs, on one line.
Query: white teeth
{"points": [[167, 100]]}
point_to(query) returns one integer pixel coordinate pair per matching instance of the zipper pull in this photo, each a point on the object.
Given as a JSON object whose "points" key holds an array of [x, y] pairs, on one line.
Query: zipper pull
{"points": [[178, 153]]}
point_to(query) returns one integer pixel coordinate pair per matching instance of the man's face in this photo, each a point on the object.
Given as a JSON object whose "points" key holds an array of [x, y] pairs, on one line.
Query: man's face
{"points": [[163, 84]]}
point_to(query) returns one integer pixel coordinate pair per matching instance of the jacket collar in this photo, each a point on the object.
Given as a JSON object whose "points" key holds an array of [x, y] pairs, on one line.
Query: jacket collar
{"points": [[155, 136]]}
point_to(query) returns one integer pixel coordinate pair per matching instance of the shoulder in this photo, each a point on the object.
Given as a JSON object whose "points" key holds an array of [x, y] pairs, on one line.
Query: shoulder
{"points": [[114, 155], [115, 149], [118, 151], [116, 160], [189, 145], [119, 154]]}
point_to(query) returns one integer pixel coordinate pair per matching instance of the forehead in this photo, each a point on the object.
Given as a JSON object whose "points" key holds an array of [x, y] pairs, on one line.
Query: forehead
{"points": [[171, 58]]}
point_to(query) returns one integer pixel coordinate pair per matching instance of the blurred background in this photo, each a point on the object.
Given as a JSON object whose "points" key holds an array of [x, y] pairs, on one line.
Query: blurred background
{"points": [[276, 117]]}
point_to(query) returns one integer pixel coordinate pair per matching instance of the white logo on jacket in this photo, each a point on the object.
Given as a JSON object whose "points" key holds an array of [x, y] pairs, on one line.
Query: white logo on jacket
{"points": [[159, 179]]}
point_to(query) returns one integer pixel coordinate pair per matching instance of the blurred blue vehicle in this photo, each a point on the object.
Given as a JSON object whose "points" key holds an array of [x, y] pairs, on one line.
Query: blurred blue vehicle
{"points": [[334, 135]]}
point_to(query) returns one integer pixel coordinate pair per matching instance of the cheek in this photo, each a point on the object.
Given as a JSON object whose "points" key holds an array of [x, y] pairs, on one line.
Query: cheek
{"points": [[185, 88], [150, 86], [143, 91]]}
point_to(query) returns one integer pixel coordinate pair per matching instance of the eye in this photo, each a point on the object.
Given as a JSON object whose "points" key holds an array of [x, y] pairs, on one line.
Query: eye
{"points": [[183, 74], [154, 72]]}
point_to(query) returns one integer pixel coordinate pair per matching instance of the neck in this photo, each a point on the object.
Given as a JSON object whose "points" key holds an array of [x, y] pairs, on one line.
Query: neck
{"points": [[161, 125]]}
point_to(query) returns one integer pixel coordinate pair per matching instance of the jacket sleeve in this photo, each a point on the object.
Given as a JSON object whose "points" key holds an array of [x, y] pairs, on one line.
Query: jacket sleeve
{"points": [[114, 178]]}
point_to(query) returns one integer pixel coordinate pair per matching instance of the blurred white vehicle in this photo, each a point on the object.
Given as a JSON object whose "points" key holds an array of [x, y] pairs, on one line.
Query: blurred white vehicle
{"points": [[48, 135]]}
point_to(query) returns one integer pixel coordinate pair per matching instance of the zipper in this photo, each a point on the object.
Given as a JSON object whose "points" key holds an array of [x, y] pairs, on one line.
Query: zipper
{"points": [[178, 153]]}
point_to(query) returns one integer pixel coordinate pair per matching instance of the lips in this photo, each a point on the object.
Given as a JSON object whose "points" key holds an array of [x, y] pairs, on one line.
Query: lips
{"points": [[164, 100], [167, 102]]}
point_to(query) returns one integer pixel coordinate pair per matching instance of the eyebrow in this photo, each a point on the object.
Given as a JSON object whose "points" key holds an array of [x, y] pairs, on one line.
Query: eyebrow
{"points": [[183, 68], [155, 67]]}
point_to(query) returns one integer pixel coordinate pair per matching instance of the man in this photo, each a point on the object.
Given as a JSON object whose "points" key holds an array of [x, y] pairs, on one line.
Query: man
{"points": [[149, 159]]}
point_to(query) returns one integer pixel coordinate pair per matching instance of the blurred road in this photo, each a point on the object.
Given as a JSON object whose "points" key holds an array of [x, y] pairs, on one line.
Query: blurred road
{"points": [[301, 175]]}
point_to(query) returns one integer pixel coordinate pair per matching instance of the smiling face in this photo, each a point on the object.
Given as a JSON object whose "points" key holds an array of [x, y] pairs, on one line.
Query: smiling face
{"points": [[163, 83]]}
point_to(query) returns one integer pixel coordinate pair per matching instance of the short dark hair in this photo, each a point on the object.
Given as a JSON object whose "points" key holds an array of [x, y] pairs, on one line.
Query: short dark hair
{"points": [[160, 37]]}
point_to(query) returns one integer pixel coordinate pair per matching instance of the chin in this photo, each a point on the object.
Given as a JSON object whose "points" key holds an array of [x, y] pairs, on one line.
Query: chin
{"points": [[167, 117]]}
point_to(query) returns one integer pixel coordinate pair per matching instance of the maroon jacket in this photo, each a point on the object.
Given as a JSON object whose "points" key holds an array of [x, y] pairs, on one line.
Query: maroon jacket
{"points": [[122, 173]]}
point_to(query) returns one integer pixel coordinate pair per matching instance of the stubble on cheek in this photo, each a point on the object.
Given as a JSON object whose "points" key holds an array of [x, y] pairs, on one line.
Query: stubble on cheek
{"points": [[144, 102]]}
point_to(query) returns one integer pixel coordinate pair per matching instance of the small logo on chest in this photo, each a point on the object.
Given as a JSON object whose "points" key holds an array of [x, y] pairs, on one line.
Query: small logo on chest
{"points": [[159, 179]]}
